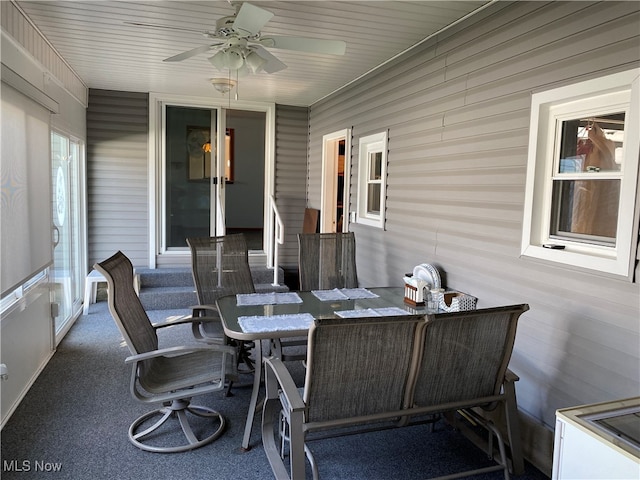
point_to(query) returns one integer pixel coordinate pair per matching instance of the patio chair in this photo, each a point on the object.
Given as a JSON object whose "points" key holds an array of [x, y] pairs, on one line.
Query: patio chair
{"points": [[171, 376], [325, 261], [463, 367], [220, 266], [356, 372]]}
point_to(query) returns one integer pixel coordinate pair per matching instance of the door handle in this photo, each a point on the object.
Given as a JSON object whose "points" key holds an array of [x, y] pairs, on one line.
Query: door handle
{"points": [[56, 236]]}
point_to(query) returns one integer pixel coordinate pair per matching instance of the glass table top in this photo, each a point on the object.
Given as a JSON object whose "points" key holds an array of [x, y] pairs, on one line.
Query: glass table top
{"points": [[230, 311]]}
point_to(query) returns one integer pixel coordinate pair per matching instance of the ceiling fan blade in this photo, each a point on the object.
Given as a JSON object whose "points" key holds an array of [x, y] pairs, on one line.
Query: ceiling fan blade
{"points": [[167, 27], [190, 53], [273, 65], [251, 19], [311, 45]]}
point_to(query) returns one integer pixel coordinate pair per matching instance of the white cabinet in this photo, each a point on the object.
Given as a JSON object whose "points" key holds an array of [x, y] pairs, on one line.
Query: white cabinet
{"points": [[600, 441]]}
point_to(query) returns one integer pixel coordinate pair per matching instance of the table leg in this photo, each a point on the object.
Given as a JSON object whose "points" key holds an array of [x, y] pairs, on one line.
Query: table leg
{"points": [[257, 377]]}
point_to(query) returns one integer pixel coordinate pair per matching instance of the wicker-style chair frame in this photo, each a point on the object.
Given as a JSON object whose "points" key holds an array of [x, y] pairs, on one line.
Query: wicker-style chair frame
{"points": [[327, 261], [220, 266], [170, 376], [365, 371]]}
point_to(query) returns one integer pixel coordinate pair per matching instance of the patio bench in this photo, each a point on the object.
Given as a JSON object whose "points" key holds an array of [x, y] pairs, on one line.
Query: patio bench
{"points": [[382, 372]]}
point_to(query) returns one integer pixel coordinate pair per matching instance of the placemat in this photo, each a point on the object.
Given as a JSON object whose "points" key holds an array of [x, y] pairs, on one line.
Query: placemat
{"points": [[343, 294], [271, 298], [275, 323], [372, 312]]}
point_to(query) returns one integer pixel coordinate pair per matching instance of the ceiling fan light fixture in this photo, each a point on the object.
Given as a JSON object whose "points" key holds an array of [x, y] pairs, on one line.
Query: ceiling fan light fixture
{"points": [[228, 59], [234, 58], [242, 72], [219, 60], [223, 85], [255, 62]]}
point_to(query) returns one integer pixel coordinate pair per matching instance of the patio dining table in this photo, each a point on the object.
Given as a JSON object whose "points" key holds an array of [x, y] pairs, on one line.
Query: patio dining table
{"points": [[255, 317]]}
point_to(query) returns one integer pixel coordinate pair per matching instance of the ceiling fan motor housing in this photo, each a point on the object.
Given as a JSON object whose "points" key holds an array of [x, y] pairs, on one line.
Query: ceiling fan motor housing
{"points": [[224, 27]]}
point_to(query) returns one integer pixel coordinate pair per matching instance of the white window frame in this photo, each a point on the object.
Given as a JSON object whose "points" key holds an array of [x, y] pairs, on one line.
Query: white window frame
{"points": [[615, 93], [369, 145], [11, 300]]}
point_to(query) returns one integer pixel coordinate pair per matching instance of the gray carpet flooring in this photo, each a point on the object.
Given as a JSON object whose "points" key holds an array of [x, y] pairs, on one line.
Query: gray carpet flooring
{"points": [[73, 424]]}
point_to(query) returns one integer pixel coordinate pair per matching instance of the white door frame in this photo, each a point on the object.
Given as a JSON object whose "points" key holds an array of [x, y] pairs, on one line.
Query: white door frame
{"points": [[156, 156], [218, 200], [329, 184]]}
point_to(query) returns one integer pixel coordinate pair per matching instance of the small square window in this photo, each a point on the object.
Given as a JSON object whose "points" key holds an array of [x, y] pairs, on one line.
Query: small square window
{"points": [[582, 174]]}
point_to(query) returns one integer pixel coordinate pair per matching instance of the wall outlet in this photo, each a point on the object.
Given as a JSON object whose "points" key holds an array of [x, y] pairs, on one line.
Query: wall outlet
{"points": [[4, 372]]}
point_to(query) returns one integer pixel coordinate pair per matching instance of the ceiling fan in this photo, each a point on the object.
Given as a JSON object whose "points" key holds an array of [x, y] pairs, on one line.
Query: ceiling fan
{"points": [[241, 47]]}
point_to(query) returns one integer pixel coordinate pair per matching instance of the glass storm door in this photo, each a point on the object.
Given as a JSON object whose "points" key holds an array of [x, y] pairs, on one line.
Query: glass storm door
{"points": [[193, 187], [214, 174], [66, 272]]}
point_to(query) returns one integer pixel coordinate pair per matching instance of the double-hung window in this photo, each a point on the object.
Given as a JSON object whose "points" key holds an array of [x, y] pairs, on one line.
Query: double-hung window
{"points": [[582, 175], [372, 187]]}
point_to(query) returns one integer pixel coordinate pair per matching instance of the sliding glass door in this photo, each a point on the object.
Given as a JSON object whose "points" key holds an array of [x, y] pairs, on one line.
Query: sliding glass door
{"points": [[213, 169], [66, 273], [192, 182], [214, 181]]}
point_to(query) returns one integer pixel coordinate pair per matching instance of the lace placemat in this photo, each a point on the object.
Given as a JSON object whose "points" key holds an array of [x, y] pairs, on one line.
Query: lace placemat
{"points": [[372, 312], [271, 298], [343, 294], [275, 323]]}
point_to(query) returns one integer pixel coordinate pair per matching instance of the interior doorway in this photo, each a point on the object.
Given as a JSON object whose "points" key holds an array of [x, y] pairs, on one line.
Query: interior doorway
{"points": [[245, 195], [336, 156]]}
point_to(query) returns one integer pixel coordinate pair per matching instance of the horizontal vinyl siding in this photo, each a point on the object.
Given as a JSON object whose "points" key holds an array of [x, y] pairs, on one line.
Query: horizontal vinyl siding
{"points": [[457, 112], [291, 175], [117, 175]]}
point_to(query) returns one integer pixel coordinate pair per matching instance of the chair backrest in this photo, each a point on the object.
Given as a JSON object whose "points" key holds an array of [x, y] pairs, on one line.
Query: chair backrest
{"points": [[465, 355], [220, 266], [358, 366], [125, 306], [310, 222], [327, 261]]}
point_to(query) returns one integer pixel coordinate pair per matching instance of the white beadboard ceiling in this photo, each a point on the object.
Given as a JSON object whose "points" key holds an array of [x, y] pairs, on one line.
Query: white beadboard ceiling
{"points": [[108, 53]]}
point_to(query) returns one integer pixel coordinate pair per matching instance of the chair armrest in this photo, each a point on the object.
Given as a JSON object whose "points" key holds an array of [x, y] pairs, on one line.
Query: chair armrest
{"points": [[283, 398], [180, 350], [183, 321], [275, 367], [204, 308], [509, 376]]}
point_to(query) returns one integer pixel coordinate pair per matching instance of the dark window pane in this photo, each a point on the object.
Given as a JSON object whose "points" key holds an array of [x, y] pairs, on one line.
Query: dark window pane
{"points": [[373, 199], [592, 144], [587, 209], [375, 164], [187, 201]]}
